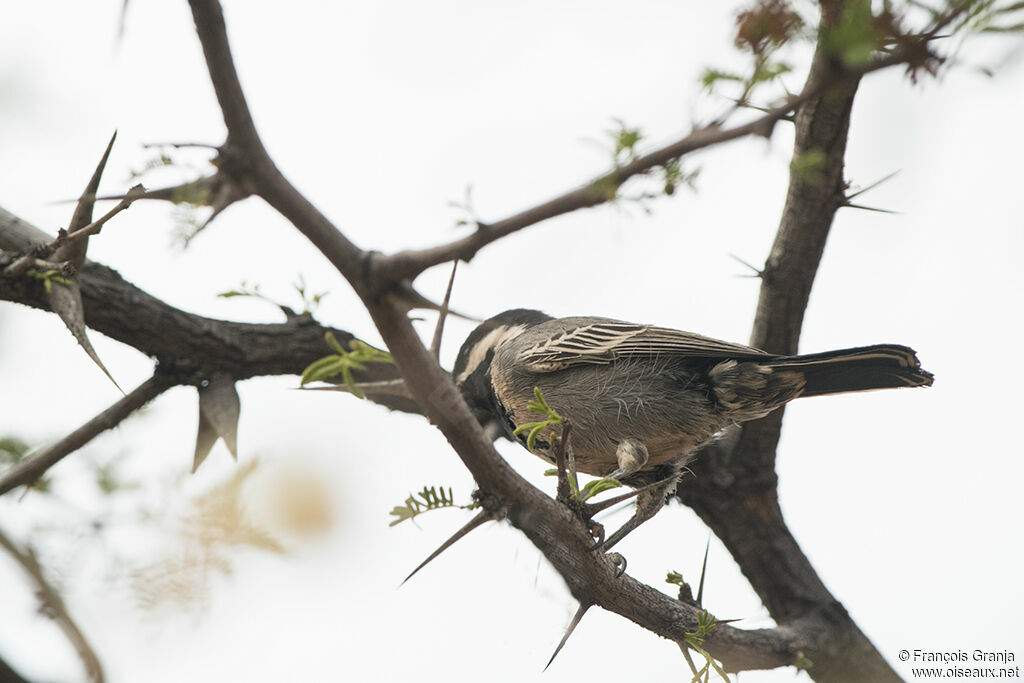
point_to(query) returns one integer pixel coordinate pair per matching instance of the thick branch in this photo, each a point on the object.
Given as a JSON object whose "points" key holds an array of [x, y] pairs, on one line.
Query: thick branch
{"points": [[245, 158], [735, 490], [553, 528], [9, 675], [182, 342]]}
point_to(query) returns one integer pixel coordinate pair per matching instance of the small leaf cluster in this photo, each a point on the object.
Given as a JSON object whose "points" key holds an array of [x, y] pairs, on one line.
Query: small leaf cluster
{"points": [[48, 277], [593, 488], [675, 578], [762, 30], [766, 26], [625, 140], [160, 160], [344, 362], [310, 300], [674, 175], [695, 640], [538, 405], [590, 489], [430, 498], [861, 33]]}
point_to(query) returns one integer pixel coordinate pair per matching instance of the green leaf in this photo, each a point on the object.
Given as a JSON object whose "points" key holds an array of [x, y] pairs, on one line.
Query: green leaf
{"points": [[430, 498], [333, 342], [711, 77], [322, 369], [597, 486], [344, 362]]}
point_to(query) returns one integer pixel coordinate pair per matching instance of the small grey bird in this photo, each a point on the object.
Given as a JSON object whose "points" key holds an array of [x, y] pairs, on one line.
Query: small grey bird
{"points": [[641, 399]]}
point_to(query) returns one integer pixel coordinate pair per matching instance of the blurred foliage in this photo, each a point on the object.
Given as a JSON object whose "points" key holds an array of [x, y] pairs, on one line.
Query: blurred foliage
{"points": [[232, 517], [12, 451], [310, 299], [808, 166], [199, 543]]}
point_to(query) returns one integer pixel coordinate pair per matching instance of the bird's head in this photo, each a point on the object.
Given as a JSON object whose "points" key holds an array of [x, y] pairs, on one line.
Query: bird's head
{"points": [[473, 364]]}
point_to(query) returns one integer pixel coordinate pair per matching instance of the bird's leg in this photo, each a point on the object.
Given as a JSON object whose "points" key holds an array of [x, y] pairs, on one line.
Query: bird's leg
{"points": [[648, 503], [632, 456]]}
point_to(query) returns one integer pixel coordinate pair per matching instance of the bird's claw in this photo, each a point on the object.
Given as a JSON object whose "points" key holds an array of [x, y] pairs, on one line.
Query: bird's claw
{"points": [[620, 563], [596, 530]]}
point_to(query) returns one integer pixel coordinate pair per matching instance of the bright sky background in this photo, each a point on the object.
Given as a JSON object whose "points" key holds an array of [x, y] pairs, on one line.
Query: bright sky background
{"points": [[908, 503]]}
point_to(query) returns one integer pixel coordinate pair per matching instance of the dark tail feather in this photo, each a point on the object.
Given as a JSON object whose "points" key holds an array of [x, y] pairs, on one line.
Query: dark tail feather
{"points": [[883, 366]]}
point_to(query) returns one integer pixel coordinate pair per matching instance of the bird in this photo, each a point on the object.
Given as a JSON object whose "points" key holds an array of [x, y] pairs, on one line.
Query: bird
{"points": [[642, 399]]}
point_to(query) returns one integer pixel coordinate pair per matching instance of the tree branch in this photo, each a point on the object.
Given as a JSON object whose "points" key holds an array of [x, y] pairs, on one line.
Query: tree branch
{"points": [[9, 675], [410, 263], [735, 490], [192, 346], [52, 605], [245, 158], [31, 468]]}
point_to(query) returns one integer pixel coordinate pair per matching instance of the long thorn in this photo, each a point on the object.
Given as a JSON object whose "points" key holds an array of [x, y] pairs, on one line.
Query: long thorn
{"points": [[872, 185], [703, 572], [482, 517], [83, 209], [435, 344], [756, 271], [576, 618], [594, 508], [869, 208]]}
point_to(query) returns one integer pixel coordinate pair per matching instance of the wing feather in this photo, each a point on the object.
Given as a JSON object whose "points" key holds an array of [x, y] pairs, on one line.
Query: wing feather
{"points": [[603, 342]]}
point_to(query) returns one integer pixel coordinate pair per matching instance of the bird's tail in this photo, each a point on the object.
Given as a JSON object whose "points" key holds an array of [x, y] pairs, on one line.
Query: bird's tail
{"points": [[883, 366]]}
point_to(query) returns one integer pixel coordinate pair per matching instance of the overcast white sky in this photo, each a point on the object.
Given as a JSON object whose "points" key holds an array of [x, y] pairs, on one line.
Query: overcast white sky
{"points": [[908, 503]]}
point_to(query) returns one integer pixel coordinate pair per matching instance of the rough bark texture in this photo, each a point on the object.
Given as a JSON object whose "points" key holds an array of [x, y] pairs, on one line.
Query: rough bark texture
{"points": [[735, 489]]}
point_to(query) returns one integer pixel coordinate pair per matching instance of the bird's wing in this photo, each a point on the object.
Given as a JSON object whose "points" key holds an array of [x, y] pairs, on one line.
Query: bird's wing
{"points": [[603, 342]]}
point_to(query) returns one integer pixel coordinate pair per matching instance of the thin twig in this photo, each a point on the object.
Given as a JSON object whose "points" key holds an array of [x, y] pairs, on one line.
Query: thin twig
{"points": [[52, 605], [92, 228], [435, 343], [75, 235], [407, 264], [30, 469], [28, 262]]}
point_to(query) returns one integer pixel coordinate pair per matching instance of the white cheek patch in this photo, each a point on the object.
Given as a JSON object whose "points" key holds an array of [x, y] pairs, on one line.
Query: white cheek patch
{"points": [[492, 340]]}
